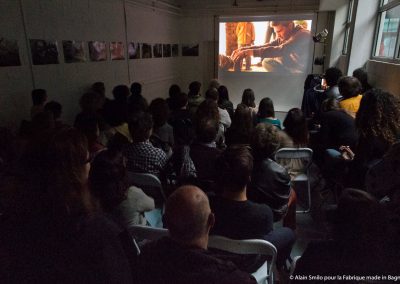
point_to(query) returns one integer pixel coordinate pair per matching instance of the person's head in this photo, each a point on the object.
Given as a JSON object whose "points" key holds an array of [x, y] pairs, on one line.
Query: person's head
{"points": [[206, 130], [330, 104], [234, 168], [362, 76], [42, 122], [332, 76], [55, 108], [248, 98], [212, 94], [90, 102], [295, 125], [181, 101], [207, 109], [174, 90], [214, 83], [379, 116], [107, 179], [349, 87], [160, 111], [188, 216], [99, 88], [358, 218], [121, 93], [39, 97], [194, 88], [282, 29], [136, 89], [266, 108], [242, 118], [140, 126], [87, 124], [264, 141], [223, 94]]}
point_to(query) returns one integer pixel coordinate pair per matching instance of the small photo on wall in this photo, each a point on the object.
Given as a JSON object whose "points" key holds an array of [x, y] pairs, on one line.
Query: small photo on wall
{"points": [[9, 52], [175, 50], [97, 50], [166, 50], [190, 49], [74, 51], [134, 50], [44, 52], [157, 50], [146, 50], [117, 50]]}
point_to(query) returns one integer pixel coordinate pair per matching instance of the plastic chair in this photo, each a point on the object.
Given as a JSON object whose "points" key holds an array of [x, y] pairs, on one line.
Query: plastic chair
{"points": [[305, 154], [264, 273]]}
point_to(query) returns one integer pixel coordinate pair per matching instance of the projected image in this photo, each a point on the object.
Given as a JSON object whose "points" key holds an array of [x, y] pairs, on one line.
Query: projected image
{"points": [[265, 46]]}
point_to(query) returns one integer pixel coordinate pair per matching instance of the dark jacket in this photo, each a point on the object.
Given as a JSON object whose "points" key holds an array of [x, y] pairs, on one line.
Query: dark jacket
{"points": [[271, 186]]}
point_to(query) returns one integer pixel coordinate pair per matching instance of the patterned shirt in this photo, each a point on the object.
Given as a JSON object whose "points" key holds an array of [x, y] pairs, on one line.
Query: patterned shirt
{"points": [[143, 157]]}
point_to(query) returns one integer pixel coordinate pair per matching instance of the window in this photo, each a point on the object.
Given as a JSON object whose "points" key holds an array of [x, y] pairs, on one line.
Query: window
{"points": [[387, 32], [348, 26]]}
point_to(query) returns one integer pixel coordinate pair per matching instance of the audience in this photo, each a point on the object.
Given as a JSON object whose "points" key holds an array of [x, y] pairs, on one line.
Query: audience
{"points": [[39, 98], [181, 121], [350, 89], [362, 76], [332, 76], [223, 100], [163, 134], [241, 127], [56, 109], [195, 98], [266, 113], [182, 257], [136, 102], [173, 93], [248, 99], [238, 218], [224, 118], [108, 183]]}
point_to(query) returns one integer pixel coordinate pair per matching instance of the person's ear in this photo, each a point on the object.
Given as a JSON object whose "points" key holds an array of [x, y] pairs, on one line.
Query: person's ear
{"points": [[211, 220]]}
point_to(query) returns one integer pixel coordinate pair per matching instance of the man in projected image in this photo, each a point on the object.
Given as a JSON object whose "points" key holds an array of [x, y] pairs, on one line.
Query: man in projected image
{"points": [[245, 37], [287, 53]]}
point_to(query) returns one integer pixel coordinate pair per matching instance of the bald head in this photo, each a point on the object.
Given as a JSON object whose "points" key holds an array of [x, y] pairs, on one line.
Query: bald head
{"points": [[187, 214]]}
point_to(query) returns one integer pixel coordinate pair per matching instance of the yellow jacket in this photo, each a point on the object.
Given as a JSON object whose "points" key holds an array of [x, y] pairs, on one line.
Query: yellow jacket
{"points": [[245, 33]]}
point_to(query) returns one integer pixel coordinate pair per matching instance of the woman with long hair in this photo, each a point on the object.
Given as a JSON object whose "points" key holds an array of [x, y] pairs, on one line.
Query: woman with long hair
{"points": [[296, 127], [266, 113], [50, 232], [241, 128]]}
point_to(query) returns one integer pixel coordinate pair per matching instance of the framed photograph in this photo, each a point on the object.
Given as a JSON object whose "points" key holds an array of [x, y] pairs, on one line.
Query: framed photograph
{"points": [[44, 52], [157, 50], [166, 50], [117, 50], [9, 52], [74, 51], [97, 50], [175, 50], [190, 49], [134, 50], [146, 50]]}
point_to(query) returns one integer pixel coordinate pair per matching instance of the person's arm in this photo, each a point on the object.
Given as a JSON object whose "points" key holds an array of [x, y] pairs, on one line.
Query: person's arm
{"points": [[144, 202]]}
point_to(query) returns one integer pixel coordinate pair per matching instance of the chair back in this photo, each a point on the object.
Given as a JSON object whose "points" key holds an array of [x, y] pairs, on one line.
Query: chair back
{"points": [[264, 273], [145, 181], [295, 153]]}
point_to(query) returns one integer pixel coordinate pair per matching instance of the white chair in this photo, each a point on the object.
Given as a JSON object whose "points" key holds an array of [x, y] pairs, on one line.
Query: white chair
{"points": [[305, 154], [264, 273], [151, 185]]}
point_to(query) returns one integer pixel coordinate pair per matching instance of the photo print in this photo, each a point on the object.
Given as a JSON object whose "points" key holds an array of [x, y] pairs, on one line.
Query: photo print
{"points": [[190, 49], [44, 52], [9, 52], [146, 50], [175, 50], [166, 50], [97, 50], [74, 51], [157, 50], [117, 50], [134, 50]]}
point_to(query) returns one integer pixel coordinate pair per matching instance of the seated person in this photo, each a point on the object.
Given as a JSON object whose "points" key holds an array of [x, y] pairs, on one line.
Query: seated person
{"points": [[350, 89], [181, 121], [332, 76], [195, 98], [108, 183], [266, 113], [241, 128], [270, 183], [236, 216], [56, 109], [224, 118], [359, 241], [142, 156], [136, 102], [39, 98], [204, 151], [183, 257]]}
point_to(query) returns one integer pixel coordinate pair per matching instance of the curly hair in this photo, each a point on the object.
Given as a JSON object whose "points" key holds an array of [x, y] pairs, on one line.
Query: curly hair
{"points": [[296, 126], [264, 141], [379, 115]]}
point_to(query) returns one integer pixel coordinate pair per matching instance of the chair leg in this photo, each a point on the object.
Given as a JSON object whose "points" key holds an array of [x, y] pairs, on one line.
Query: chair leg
{"points": [[309, 199]]}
